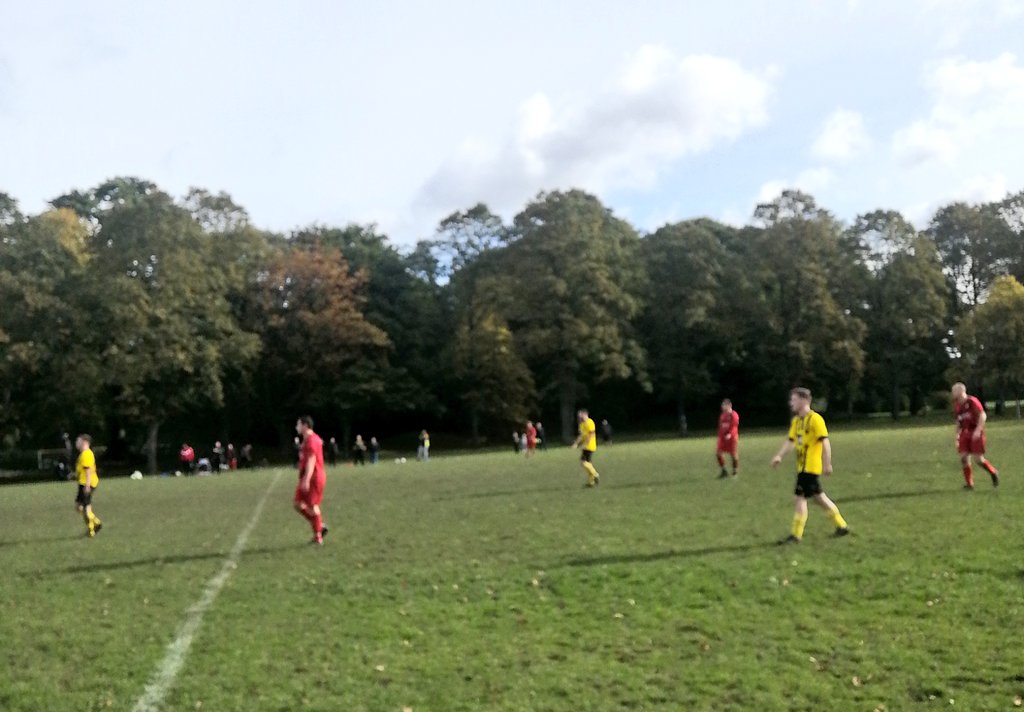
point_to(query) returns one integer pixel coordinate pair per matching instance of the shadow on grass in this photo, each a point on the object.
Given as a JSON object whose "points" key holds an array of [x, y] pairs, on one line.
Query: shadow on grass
{"points": [[541, 490], [158, 561], [40, 540], [670, 554], [896, 495]]}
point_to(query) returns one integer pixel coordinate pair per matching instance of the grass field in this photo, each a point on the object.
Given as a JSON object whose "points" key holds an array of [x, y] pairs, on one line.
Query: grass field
{"points": [[484, 582]]}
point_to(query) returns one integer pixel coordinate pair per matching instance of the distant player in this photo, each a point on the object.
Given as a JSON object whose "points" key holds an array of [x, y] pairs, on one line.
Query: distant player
{"points": [[728, 439], [809, 437], [88, 481], [970, 435], [587, 442], [312, 478]]}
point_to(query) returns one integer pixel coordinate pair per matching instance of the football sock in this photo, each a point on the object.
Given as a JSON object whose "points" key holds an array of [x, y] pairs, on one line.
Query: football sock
{"points": [[989, 467], [317, 521], [968, 475], [837, 518], [735, 465], [721, 460], [591, 471], [799, 522]]}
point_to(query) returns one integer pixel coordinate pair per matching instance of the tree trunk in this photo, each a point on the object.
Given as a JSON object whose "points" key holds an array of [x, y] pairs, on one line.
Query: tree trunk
{"points": [[151, 441], [567, 404], [895, 397]]}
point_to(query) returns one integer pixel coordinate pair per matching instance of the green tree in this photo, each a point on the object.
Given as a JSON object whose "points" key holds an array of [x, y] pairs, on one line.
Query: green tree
{"points": [[163, 320], [492, 379], [49, 373], [803, 270], [575, 280], [991, 338], [972, 241], [689, 325], [907, 302]]}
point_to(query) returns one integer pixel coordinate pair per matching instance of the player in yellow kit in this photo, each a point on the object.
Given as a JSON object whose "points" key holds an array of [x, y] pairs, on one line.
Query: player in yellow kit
{"points": [[587, 442], [809, 437], [88, 481]]}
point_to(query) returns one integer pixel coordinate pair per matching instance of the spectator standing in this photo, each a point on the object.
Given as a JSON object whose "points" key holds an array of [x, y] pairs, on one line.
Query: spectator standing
{"points": [[606, 432], [217, 457], [516, 442], [247, 456], [333, 451], [374, 451], [232, 457], [423, 451], [542, 438], [359, 451]]}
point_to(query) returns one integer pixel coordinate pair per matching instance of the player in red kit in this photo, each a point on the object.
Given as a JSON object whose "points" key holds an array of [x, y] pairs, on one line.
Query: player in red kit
{"points": [[310, 490], [728, 439], [970, 434]]}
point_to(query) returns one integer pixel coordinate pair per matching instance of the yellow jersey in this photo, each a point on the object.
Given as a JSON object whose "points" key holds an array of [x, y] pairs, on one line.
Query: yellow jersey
{"points": [[808, 433], [86, 459], [588, 435]]}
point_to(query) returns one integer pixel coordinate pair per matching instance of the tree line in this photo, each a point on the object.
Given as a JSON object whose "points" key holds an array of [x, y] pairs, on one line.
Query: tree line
{"points": [[123, 308]]}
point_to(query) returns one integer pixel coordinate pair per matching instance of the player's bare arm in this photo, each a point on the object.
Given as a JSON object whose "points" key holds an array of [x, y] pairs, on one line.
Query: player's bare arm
{"points": [[787, 447], [307, 476], [826, 456], [980, 430], [88, 480]]}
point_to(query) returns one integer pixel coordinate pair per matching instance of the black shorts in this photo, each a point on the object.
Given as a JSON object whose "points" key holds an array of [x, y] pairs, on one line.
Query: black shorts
{"points": [[586, 456], [807, 485], [82, 498]]}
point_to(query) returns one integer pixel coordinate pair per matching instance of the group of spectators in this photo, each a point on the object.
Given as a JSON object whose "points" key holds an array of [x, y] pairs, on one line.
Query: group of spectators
{"points": [[220, 459], [361, 451]]}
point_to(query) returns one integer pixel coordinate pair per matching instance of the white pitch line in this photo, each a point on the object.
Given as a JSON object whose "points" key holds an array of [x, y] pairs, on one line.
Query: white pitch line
{"points": [[166, 673]]}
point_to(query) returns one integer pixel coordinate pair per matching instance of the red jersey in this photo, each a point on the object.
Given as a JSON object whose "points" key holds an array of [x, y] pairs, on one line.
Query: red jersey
{"points": [[187, 454], [531, 434], [312, 447], [968, 414], [729, 424]]}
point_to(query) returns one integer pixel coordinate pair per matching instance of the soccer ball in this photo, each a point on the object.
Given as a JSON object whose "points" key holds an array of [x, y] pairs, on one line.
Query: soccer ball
{"points": [[402, 460]]}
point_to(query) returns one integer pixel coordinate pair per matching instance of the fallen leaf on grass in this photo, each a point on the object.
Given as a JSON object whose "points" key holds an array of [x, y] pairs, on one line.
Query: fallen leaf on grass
{"points": [[380, 668], [856, 681], [1018, 701]]}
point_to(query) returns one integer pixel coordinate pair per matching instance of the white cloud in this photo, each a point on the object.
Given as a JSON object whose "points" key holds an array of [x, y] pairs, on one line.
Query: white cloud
{"points": [[971, 101], [841, 138], [658, 109], [810, 180], [981, 188]]}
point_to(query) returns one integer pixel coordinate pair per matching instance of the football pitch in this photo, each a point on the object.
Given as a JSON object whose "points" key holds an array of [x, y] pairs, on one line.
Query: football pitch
{"points": [[487, 582]]}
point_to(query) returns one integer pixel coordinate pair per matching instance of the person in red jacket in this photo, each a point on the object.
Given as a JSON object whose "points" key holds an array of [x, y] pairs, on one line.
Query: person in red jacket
{"points": [[728, 439], [187, 457]]}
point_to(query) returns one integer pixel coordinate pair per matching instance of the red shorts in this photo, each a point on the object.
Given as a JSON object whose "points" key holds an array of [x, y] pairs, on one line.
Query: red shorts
{"points": [[313, 496], [968, 445], [727, 447]]}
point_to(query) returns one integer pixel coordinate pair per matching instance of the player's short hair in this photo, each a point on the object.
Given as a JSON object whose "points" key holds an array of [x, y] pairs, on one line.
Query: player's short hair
{"points": [[584, 411], [86, 438], [802, 392], [726, 401], [307, 420], [959, 384]]}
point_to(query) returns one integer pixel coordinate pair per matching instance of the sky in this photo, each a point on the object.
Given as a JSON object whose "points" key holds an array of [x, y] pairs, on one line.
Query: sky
{"points": [[400, 113]]}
